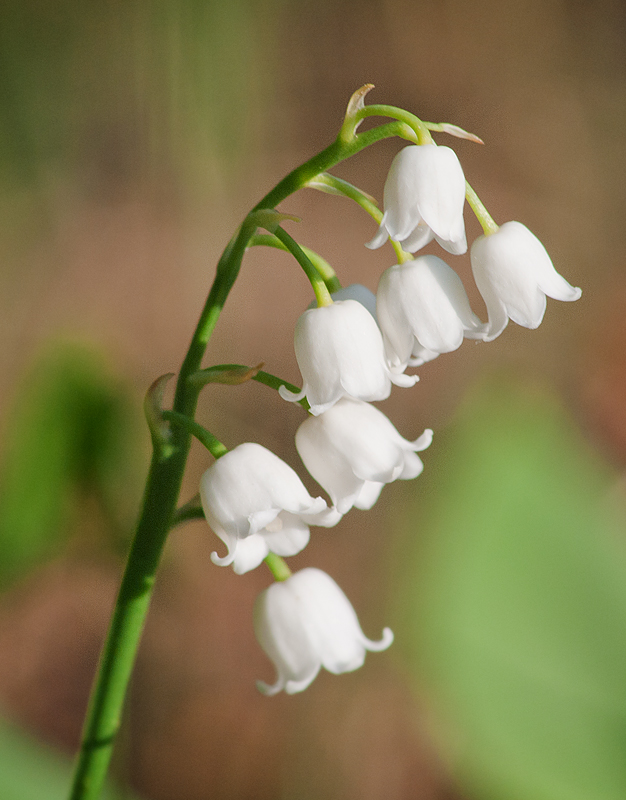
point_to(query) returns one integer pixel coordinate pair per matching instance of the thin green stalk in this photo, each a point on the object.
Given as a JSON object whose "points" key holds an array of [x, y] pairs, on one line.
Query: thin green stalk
{"points": [[163, 487], [322, 295], [487, 222], [278, 567], [327, 182], [321, 265], [212, 443]]}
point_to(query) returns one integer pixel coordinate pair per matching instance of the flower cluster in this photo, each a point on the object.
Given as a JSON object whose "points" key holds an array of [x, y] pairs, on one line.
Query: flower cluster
{"points": [[351, 350]]}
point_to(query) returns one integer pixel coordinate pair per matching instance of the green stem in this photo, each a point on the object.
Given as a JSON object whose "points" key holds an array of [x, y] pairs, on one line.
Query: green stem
{"points": [[487, 222], [321, 265], [322, 295], [326, 182], [278, 567], [212, 443], [163, 488], [415, 124], [203, 376], [192, 509]]}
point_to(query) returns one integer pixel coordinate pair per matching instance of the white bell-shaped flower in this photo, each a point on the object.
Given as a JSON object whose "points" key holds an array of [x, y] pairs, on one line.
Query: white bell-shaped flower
{"points": [[360, 293], [306, 622], [424, 197], [339, 349], [514, 273], [257, 504], [423, 310], [352, 450]]}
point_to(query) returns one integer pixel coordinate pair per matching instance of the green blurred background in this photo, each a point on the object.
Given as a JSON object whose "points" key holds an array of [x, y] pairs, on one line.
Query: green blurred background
{"points": [[134, 136]]}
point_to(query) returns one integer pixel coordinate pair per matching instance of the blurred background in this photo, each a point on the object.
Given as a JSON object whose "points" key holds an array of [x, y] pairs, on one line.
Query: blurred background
{"points": [[134, 137]]}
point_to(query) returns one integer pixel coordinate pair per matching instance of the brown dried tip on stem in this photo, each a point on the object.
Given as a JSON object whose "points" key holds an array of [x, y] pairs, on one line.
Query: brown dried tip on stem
{"points": [[357, 101], [231, 375], [454, 130], [234, 377], [153, 406], [270, 219]]}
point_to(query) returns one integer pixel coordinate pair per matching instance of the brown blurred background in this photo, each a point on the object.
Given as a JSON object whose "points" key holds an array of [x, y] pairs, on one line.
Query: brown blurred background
{"points": [[134, 136]]}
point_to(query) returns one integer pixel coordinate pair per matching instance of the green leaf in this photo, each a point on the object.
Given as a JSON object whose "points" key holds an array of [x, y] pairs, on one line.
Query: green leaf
{"points": [[32, 771], [68, 436], [514, 603]]}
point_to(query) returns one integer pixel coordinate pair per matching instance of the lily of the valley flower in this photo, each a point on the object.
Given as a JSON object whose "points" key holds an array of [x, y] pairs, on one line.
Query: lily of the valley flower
{"points": [[352, 450], [339, 349], [305, 623], [424, 196], [360, 293], [514, 273], [257, 504], [423, 310]]}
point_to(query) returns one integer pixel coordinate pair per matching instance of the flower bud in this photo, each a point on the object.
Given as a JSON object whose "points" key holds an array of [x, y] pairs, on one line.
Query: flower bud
{"points": [[423, 311], [353, 449], [257, 504], [424, 197], [514, 273], [305, 623], [339, 349]]}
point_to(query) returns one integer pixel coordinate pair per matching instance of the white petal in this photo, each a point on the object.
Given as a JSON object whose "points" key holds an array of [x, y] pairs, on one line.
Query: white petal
{"points": [[423, 301], [418, 238], [339, 350], [369, 494], [289, 538], [280, 632], [353, 449], [360, 293], [439, 187], [455, 246], [514, 273], [249, 553], [380, 237]]}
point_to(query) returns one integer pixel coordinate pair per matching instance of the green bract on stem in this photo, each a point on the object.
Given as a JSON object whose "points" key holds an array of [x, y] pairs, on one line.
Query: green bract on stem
{"points": [[172, 444], [205, 437], [204, 376]]}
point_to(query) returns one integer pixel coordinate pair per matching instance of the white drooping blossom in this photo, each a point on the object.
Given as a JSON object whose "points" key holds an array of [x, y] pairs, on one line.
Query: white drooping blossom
{"points": [[339, 349], [352, 450], [424, 197], [360, 293], [306, 622], [514, 273], [257, 504], [423, 311]]}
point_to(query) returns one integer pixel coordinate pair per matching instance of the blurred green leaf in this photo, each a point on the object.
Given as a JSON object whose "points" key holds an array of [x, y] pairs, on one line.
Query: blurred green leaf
{"points": [[70, 435], [514, 607], [31, 771]]}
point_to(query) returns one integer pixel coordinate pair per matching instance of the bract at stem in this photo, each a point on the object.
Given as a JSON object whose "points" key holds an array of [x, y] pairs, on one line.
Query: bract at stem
{"points": [[205, 437]]}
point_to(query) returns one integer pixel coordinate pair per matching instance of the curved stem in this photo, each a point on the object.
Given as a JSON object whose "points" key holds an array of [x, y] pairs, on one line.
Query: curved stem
{"points": [[328, 274], [163, 487], [327, 182], [322, 295], [487, 222], [278, 567], [205, 437]]}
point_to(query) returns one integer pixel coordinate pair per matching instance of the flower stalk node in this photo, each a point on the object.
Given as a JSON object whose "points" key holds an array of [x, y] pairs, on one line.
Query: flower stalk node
{"points": [[160, 431]]}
